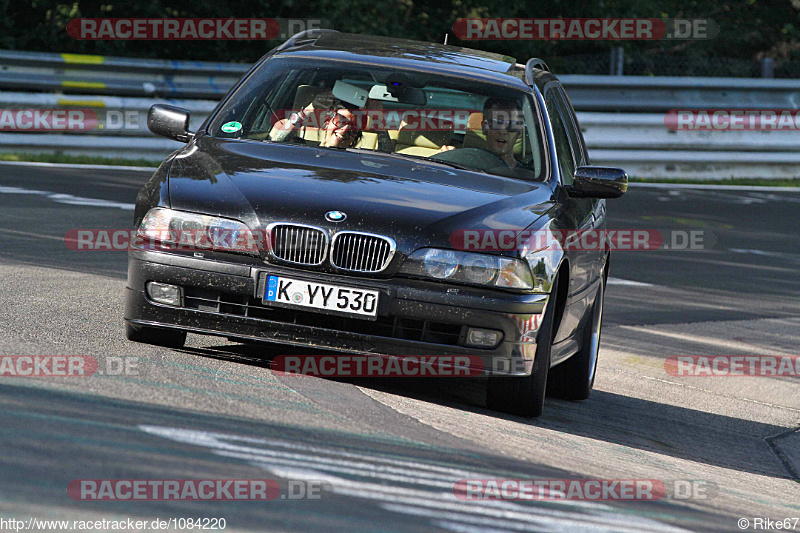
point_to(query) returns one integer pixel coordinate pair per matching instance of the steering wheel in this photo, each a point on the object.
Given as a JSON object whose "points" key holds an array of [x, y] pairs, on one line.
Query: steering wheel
{"points": [[471, 157]]}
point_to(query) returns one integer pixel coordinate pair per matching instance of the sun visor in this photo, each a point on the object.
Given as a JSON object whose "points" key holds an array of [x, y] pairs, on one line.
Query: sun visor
{"points": [[350, 93]]}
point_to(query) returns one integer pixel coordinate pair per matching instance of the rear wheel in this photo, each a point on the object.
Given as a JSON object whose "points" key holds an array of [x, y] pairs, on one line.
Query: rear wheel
{"points": [[524, 396], [169, 338], [574, 378]]}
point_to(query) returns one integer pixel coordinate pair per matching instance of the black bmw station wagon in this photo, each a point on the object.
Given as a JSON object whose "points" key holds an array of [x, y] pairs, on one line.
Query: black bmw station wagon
{"points": [[405, 198]]}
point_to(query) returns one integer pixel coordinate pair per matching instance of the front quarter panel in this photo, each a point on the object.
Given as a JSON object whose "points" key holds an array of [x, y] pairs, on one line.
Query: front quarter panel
{"points": [[154, 193]]}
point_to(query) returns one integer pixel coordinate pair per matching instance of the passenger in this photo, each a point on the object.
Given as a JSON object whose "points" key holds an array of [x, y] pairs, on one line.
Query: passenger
{"points": [[339, 127]]}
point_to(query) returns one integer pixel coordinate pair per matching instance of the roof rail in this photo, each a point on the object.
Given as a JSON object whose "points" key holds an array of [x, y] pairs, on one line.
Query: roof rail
{"points": [[533, 63], [303, 36]]}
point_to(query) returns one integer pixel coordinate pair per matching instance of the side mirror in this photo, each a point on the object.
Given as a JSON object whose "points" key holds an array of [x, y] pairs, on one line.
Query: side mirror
{"points": [[170, 122], [599, 182]]}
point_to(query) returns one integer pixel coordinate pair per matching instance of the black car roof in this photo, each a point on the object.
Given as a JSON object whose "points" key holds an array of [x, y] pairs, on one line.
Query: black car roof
{"points": [[467, 62]]}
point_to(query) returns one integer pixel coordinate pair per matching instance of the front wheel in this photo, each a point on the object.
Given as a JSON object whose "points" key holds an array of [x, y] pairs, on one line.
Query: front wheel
{"points": [[574, 378], [524, 396]]}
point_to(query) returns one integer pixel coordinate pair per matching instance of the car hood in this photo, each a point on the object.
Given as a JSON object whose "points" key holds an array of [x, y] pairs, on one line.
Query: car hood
{"points": [[416, 203]]}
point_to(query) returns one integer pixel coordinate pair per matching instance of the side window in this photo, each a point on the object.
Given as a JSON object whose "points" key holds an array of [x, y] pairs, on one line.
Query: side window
{"points": [[573, 130], [566, 163]]}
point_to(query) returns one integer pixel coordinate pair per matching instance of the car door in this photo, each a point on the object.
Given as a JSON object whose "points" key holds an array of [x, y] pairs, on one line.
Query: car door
{"points": [[598, 206], [579, 211]]}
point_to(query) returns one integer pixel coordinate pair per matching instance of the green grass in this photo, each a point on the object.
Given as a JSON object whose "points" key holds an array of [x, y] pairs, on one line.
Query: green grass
{"points": [[78, 159], [730, 181]]}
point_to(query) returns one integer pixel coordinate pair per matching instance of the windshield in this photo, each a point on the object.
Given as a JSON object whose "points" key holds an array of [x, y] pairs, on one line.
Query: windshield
{"points": [[335, 105]]}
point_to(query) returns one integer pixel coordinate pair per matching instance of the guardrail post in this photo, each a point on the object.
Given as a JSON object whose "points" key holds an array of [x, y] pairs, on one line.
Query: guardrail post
{"points": [[767, 67], [617, 61]]}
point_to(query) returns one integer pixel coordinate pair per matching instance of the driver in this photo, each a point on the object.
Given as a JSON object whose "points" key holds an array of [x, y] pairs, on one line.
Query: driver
{"points": [[502, 124]]}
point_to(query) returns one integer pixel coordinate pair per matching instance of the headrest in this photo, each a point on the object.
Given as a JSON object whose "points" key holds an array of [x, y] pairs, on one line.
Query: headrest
{"points": [[427, 138], [475, 121]]}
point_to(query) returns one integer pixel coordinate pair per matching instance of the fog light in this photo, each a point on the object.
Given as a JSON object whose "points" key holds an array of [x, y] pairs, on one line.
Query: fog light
{"points": [[164, 294], [483, 338]]}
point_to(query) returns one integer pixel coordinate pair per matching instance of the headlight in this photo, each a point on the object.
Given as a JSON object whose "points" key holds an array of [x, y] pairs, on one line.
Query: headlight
{"points": [[440, 264], [193, 231], [469, 268]]}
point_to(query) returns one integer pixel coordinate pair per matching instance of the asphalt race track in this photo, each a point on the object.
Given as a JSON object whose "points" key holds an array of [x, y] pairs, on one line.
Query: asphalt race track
{"points": [[386, 454]]}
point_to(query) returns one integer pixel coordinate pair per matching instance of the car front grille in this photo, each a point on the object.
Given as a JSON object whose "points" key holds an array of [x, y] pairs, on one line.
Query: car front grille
{"points": [[361, 252], [235, 305], [303, 245]]}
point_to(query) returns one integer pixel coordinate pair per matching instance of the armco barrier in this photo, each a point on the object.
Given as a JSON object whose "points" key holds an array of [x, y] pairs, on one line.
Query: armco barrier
{"points": [[642, 94], [149, 148], [622, 116], [87, 74]]}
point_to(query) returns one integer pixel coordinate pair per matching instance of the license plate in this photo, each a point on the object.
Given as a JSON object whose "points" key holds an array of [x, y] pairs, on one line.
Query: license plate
{"points": [[301, 293]]}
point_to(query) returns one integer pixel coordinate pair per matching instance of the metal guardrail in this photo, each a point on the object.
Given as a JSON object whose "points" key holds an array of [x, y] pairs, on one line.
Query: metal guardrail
{"points": [[89, 74], [148, 148], [649, 132], [638, 141], [643, 145], [95, 62], [124, 116], [640, 94]]}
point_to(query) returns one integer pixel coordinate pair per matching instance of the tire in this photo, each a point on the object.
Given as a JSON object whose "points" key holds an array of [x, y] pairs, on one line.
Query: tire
{"points": [[169, 338], [524, 396], [574, 378]]}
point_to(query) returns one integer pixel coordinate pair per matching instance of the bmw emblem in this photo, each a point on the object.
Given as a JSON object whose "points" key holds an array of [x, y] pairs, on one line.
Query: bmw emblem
{"points": [[335, 216]]}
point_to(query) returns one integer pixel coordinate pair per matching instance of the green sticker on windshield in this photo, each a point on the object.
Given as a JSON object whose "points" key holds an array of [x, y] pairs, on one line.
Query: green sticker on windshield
{"points": [[231, 127]]}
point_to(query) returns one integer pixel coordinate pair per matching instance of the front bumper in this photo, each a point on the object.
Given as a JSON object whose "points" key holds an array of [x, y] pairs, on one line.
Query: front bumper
{"points": [[414, 317]]}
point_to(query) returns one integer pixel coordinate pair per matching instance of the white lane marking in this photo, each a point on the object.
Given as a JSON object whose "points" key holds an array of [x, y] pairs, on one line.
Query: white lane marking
{"points": [[618, 281], [68, 198], [76, 166], [709, 341], [31, 234], [711, 186], [717, 393], [764, 253], [404, 485]]}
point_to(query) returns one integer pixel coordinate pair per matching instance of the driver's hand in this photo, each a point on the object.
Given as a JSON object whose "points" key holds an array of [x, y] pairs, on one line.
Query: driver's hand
{"points": [[446, 148]]}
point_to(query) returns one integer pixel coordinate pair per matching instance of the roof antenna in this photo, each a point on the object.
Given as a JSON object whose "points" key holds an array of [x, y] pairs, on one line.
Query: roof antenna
{"points": [[445, 38]]}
